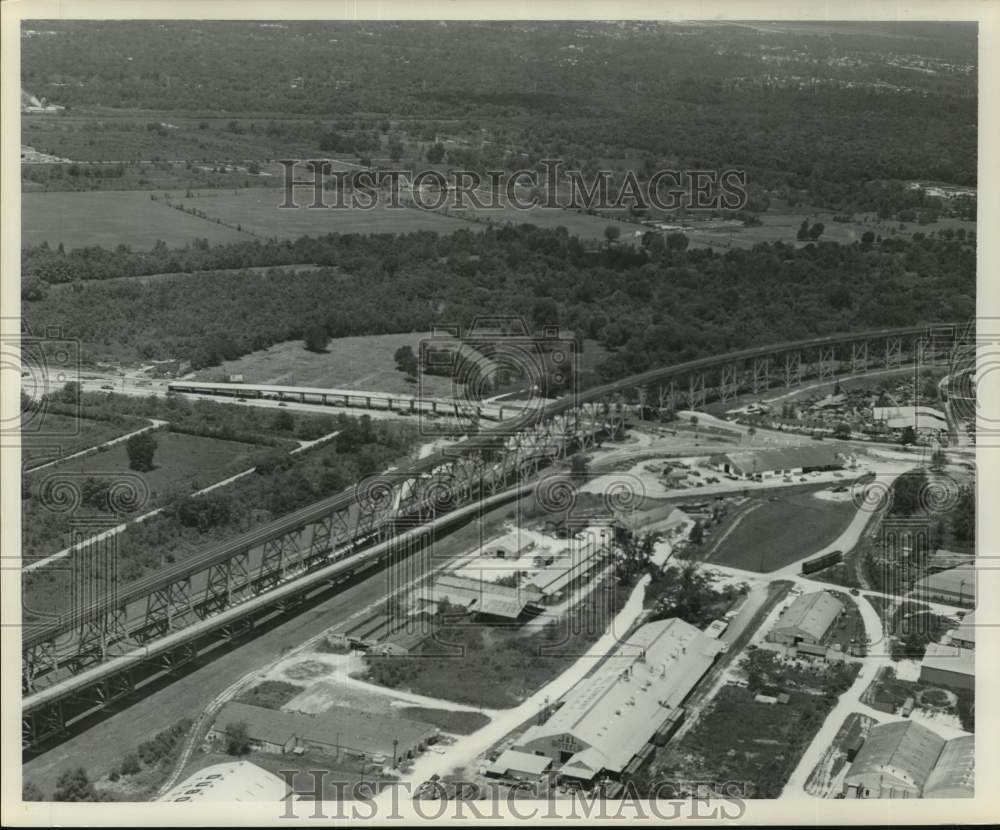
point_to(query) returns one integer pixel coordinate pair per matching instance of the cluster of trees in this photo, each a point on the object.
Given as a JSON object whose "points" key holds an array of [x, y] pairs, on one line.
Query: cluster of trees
{"points": [[689, 592], [156, 751], [650, 307]]}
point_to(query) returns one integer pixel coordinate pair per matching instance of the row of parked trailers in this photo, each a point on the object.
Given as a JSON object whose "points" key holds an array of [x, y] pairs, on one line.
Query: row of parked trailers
{"points": [[821, 562], [660, 738]]}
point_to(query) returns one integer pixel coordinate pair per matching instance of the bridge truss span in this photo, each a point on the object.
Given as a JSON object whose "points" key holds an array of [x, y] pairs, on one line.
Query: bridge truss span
{"points": [[92, 655]]}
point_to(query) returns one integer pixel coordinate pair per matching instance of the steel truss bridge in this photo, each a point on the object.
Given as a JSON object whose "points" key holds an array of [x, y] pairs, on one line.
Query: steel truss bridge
{"points": [[104, 649]]}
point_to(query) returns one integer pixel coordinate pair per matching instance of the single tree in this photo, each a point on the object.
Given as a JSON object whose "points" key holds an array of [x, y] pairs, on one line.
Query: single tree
{"points": [[316, 339], [697, 533], [237, 739], [611, 233], [406, 360], [141, 449], [909, 436]]}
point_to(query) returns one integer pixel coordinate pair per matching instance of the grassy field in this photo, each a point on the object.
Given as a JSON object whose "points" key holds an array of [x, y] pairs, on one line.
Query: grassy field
{"points": [[348, 363], [184, 463], [57, 436], [352, 363], [112, 218], [781, 531], [256, 210], [783, 225]]}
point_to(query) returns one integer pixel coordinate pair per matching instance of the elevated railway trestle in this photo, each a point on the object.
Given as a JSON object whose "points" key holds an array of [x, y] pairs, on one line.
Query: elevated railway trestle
{"points": [[96, 654]]}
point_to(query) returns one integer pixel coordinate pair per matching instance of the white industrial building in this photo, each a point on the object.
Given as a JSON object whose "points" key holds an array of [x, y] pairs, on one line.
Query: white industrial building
{"points": [[231, 781], [609, 717]]}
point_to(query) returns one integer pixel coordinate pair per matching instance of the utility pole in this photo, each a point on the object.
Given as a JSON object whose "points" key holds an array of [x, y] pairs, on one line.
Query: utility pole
{"points": [[395, 744]]}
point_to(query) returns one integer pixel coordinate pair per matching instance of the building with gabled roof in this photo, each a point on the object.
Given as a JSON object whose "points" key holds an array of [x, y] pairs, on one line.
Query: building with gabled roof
{"points": [[779, 461], [895, 761], [807, 619], [949, 665], [907, 760], [954, 774], [609, 717], [487, 598], [336, 730], [955, 586]]}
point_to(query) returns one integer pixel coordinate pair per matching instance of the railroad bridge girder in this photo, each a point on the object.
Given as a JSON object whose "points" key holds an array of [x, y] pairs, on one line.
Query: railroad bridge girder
{"points": [[484, 465]]}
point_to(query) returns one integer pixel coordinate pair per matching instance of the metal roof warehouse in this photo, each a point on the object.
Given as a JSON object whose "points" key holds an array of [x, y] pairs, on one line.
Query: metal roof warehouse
{"points": [[807, 619], [609, 717], [783, 459], [482, 597], [338, 729], [231, 781], [907, 760]]}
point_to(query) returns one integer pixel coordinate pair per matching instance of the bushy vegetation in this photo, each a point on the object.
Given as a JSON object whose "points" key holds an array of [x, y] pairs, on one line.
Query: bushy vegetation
{"points": [[650, 307], [688, 592], [759, 744], [271, 694]]}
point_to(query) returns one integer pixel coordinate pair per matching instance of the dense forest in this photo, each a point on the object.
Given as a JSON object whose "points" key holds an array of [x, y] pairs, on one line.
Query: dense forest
{"points": [[650, 305]]}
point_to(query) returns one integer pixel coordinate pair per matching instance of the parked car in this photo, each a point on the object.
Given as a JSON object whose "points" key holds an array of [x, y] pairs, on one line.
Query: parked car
{"points": [[282, 403], [855, 592]]}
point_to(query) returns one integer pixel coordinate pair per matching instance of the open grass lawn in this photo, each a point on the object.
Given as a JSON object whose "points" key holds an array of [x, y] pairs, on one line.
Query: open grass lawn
{"points": [[256, 210], [781, 531], [188, 460], [55, 436], [349, 363], [184, 464], [112, 218]]}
